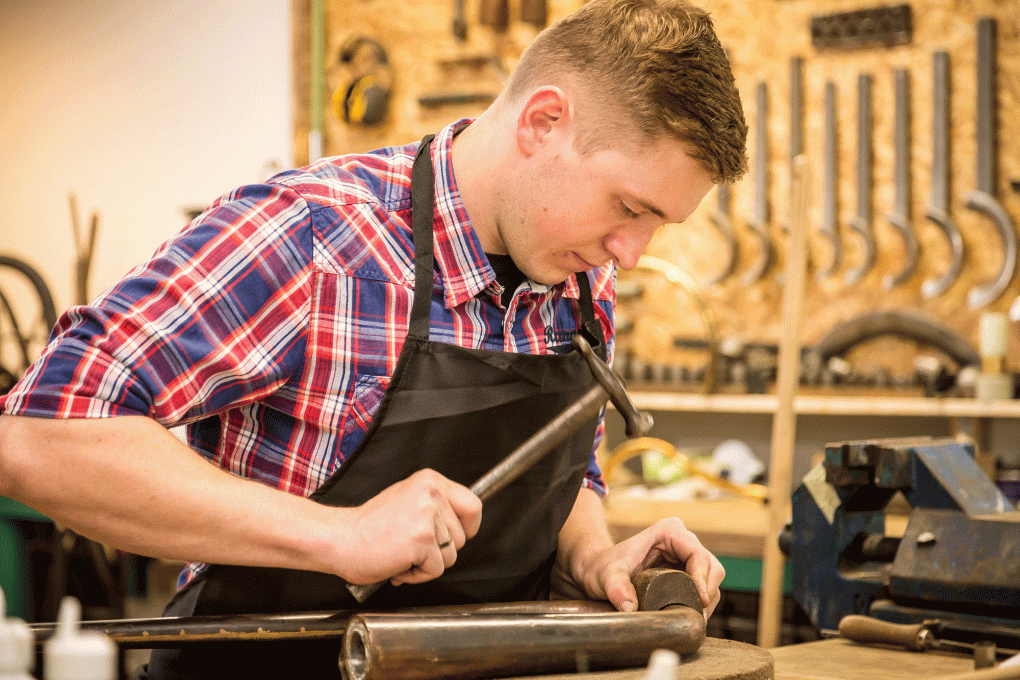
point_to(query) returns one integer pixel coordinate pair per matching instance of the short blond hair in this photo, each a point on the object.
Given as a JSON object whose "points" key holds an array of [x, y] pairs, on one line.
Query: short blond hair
{"points": [[655, 63]]}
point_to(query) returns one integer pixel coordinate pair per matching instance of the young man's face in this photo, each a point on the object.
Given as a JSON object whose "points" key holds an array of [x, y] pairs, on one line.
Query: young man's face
{"points": [[570, 214]]}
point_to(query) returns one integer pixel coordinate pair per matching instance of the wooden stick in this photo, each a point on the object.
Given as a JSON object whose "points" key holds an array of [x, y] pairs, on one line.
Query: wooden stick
{"points": [[770, 608]]}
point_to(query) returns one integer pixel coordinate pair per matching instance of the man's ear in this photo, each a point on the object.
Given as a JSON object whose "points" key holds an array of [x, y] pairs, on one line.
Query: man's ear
{"points": [[546, 115]]}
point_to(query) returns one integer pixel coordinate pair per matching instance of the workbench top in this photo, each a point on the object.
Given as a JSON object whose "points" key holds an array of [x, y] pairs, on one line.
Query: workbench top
{"points": [[834, 659], [838, 659]]}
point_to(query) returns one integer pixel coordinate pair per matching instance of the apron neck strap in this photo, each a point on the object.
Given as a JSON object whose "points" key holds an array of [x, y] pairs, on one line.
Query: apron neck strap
{"points": [[423, 205]]}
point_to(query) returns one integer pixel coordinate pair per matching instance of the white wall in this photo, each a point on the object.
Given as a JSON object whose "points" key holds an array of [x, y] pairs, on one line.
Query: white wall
{"points": [[141, 108]]}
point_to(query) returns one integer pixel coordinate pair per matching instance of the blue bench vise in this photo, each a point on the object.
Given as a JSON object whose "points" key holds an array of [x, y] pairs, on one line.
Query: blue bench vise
{"points": [[958, 558]]}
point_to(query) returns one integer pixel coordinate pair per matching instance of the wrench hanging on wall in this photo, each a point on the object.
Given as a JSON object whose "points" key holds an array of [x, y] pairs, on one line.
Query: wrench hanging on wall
{"points": [[829, 228], [982, 199], [796, 123], [899, 218], [861, 223], [938, 208], [720, 219], [759, 223]]}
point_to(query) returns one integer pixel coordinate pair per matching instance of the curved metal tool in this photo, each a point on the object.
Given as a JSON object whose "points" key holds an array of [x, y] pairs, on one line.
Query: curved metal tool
{"points": [[982, 199], [420, 647], [899, 218], [938, 209], [28, 324], [902, 323], [759, 224], [829, 228], [721, 221], [861, 223]]}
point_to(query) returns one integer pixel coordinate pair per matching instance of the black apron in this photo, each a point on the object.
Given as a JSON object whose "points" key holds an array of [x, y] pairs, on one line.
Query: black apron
{"points": [[458, 411]]}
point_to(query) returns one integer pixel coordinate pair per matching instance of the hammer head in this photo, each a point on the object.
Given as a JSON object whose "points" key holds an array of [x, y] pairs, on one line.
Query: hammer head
{"points": [[659, 588], [638, 423]]}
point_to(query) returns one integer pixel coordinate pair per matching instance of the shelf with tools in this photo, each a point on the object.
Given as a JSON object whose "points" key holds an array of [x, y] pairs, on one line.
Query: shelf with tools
{"points": [[819, 404]]}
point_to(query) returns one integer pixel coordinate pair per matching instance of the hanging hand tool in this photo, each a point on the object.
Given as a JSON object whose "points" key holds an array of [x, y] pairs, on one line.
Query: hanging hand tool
{"points": [[84, 246], [899, 218], [535, 12], [861, 223], [459, 24], [982, 199], [938, 208], [829, 228], [721, 221], [759, 223], [419, 647], [796, 126], [539, 444], [495, 14], [916, 637]]}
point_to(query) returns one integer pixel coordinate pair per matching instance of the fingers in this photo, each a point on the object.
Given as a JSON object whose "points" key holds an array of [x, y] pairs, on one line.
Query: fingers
{"points": [[679, 544], [620, 591], [666, 541], [455, 515]]}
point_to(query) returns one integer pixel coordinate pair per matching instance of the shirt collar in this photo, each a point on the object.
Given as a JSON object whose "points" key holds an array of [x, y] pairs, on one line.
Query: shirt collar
{"points": [[463, 265], [462, 262]]}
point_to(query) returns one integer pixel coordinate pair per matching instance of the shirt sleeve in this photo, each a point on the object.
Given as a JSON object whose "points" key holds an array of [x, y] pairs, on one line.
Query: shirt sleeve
{"points": [[215, 319]]}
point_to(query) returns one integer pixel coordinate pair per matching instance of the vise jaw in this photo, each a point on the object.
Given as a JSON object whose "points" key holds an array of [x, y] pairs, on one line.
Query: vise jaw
{"points": [[959, 555]]}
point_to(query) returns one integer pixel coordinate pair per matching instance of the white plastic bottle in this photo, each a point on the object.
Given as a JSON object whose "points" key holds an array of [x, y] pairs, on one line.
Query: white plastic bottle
{"points": [[73, 655], [16, 646], [663, 664]]}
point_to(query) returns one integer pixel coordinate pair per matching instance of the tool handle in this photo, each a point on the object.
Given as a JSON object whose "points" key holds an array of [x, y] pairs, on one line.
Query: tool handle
{"points": [[540, 443], [864, 147], [870, 630], [940, 132], [987, 133]]}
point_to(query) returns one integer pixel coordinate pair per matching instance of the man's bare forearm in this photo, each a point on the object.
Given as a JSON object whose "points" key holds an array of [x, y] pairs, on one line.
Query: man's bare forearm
{"points": [[129, 483]]}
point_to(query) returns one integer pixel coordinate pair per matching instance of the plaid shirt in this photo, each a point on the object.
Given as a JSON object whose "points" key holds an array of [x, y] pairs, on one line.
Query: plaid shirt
{"points": [[272, 324]]}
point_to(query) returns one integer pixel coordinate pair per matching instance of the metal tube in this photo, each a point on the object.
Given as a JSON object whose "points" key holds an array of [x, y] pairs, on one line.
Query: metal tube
{"points": [[391, 646]]}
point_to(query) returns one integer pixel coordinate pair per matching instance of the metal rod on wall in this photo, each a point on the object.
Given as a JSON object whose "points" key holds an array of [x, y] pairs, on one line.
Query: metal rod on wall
{"points": [[317, 47]]}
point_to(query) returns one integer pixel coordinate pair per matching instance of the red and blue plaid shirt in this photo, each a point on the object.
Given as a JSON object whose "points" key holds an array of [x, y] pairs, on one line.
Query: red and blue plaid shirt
{"points": [[272, 324]]}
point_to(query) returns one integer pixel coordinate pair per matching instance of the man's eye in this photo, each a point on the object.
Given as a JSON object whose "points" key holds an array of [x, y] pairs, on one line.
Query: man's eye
{"points": [[627, 211]]}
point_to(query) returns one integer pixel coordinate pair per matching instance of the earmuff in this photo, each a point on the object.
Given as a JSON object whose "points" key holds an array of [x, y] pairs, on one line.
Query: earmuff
{"points": [[364, 100]]}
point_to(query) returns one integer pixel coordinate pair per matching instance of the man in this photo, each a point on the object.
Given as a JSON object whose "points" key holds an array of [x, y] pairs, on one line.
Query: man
{"points": [[343, 411]]}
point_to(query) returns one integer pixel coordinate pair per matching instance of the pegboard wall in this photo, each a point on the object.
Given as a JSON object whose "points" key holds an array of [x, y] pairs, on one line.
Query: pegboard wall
{"points": [[762, 38]]}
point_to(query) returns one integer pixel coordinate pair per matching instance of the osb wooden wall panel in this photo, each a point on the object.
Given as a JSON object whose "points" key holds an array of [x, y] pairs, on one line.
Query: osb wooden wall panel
{"points": [[761, 36]]}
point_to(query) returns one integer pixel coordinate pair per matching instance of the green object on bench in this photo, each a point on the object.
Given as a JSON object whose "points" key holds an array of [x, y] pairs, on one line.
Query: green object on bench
{"points": [[13, 558], [745, 574]]}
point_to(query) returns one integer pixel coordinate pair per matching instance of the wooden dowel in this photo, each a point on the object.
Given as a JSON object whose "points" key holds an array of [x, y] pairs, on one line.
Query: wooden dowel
{"points": [[770, 608]]}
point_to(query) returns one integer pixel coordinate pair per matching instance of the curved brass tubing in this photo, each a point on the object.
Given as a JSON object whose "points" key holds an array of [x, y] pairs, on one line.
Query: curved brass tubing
{"points": [[634, 447]]}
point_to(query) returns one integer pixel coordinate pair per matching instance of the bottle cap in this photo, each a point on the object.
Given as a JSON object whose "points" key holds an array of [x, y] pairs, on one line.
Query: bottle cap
{"points": [[73, 655], [16, 641]]}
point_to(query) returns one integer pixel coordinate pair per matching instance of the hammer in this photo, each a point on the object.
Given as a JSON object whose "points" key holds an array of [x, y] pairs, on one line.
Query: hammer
{"points": [[542, 442]]}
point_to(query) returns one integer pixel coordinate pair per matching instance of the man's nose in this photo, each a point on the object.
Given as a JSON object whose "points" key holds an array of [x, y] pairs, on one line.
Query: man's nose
{"points": [[627, 245]]}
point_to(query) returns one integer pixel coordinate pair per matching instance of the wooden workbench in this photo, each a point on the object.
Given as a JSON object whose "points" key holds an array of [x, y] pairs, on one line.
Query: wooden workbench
{"points": [[839, 659], [833, 659]]}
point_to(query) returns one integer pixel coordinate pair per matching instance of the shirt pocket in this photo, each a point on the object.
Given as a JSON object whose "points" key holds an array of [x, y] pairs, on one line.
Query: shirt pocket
{"points": [[366, 394]]}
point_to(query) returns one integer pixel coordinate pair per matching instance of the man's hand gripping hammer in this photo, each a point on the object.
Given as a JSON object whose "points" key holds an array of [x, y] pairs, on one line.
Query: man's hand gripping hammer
{"points": [[610, 386]]}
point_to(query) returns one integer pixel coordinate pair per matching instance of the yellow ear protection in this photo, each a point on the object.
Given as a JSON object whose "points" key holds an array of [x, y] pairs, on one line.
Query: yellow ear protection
{"points": [[365, 98]]}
